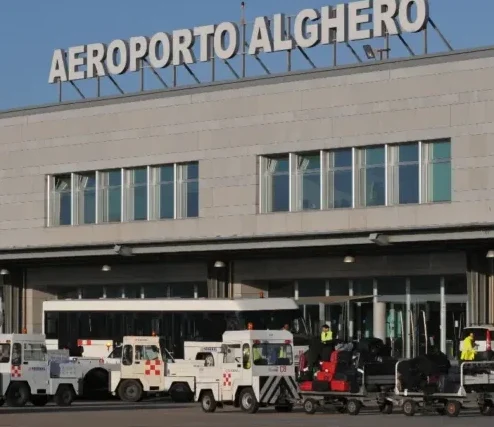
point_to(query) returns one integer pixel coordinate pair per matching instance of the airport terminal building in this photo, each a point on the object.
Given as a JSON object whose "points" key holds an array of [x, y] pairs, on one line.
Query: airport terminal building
{"points": [[373, 180]]}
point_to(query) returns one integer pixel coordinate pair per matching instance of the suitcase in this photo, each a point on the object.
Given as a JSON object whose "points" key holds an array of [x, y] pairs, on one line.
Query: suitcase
{"points": [[328, 367], [337, 385], [323, 376], [320, 386], [306, 386]]}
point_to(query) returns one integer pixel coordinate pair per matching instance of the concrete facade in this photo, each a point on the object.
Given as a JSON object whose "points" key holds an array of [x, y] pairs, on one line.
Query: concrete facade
{"points": [[226, 126]]}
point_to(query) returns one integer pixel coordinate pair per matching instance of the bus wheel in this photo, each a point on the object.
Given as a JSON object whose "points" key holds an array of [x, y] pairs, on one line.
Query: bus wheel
{"points": [[248, 401], [130, 391], [18, 394]]}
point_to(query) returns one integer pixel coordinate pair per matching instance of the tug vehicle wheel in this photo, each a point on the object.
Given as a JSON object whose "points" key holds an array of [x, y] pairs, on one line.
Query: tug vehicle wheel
{"points": [[409, 407], [310, 406], [208, 403], [130, 391], [18, 395], [453, 408], [64, 396], [353, 407], [248, 401]]}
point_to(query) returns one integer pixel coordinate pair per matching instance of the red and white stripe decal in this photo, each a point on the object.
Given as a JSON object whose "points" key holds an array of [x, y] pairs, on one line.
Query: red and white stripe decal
{"points": [[84, 342]]}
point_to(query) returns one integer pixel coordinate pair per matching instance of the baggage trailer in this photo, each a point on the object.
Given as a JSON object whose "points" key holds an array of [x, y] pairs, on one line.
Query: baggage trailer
{"points": [[474, 389], [352, 403]]}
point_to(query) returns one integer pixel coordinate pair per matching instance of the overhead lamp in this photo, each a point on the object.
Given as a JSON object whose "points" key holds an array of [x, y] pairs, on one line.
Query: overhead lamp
{"points": [[369, 51], [106, 268], [379, 239], [489, 254], [349, 259], [219, 264], [4, 272]]}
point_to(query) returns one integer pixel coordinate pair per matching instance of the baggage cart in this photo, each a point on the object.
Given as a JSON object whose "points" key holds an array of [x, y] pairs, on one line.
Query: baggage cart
{"points": [[474, 385], [352, 403]]}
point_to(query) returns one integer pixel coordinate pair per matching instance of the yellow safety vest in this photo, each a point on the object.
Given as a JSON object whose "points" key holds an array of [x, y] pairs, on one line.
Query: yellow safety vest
{"points": [[256, 354], [326, 336], [468, 352], [282, 353]]}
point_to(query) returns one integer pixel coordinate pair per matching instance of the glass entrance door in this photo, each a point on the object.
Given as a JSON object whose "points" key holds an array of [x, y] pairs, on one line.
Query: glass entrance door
{"points": [[425, 321]]}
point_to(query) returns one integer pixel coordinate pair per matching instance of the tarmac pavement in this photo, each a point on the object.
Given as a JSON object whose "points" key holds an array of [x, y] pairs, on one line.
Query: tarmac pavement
{"points": [[159, 413]]}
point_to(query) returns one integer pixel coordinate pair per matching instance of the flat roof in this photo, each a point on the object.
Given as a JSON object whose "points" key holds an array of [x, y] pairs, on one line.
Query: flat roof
{"points": [[342, 70]]}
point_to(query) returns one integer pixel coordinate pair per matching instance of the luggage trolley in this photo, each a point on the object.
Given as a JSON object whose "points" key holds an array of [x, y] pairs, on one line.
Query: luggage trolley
{"points": [[349, 402], [472, 392]]}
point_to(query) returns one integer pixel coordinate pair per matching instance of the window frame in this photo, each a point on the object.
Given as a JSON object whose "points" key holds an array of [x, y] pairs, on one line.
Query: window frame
{"points": [[182, 182], [79, 197], [54, 212], [361, 172], [393, 172], [427, 164], [101, 189], [266, 202], [129, 193], [298, 177], [328, 192]]}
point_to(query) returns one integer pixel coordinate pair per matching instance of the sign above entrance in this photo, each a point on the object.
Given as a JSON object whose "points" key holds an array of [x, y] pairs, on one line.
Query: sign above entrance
{"points": [[358, 20]]}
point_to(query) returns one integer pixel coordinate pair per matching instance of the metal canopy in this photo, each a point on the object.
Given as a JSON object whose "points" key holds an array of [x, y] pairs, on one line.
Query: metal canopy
{"points": [[340, 299]]}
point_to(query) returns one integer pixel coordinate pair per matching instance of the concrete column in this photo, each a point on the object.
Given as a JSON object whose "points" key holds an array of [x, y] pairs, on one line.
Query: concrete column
{"points": [[379, 319], [443, 316], [407, 319]]}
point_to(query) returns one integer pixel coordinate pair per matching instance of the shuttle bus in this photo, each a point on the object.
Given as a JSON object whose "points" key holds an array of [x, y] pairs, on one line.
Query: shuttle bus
{"points": [[98, 325]]}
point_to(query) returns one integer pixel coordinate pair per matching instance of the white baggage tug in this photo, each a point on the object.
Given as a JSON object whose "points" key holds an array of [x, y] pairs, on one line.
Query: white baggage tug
{"points": [[28, 375], [257, 371]]}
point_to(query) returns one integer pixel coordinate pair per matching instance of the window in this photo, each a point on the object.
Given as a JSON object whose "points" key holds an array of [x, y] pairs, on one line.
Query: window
{"points": [[340, 179], [113, 291], [308, 188], [16, 354], [4, 353], [111, 196], [438, 171], [166, 192], [276, 184], [272, 354], [34, 352], [246, 356], [85, 187], [92, 292], [127, 357], [147, 352], [188, 190], [132, 291], [232, 353], [61, 200], [372, 176], [405, 173], [137, 194]]}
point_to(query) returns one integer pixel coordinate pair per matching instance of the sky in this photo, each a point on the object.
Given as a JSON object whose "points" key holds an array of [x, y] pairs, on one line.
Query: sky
{"points": [[30, 30]]}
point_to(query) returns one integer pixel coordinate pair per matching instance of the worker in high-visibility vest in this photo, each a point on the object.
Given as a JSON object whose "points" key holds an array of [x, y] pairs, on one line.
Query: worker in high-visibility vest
{"points": [[326, 334], [468, 351]]}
